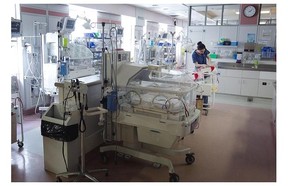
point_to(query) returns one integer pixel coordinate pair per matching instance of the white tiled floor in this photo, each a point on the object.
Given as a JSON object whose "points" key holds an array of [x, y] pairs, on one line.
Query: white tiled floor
{"points": [[243, 101], [33, 167]]}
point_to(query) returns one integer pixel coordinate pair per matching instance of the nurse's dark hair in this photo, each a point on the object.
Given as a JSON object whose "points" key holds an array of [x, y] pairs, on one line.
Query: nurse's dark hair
{"points": [[200, 46]]}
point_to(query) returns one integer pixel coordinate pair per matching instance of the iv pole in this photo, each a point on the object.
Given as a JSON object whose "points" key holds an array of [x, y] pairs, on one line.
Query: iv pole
{"points": [[89, 112]]}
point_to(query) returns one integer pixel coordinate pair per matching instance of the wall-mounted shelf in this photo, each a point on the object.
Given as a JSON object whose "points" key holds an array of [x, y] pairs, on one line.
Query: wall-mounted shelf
{"points": [[225, 46]]}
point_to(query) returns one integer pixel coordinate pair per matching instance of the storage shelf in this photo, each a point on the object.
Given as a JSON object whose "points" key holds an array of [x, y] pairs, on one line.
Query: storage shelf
{"points": [[225, 46]]}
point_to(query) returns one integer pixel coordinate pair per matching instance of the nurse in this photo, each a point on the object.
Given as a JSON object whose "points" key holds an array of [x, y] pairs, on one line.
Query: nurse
{"points": [[201, 59], [201, 56]]}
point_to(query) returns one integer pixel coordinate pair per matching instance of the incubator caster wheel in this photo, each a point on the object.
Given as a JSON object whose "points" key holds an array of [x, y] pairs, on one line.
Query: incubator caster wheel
{"points": [[104, 157], [58, 179], [156, 165], [119, 154], [127, 156], [106, 173], [190, 158], [20, 144], [173, 177]]}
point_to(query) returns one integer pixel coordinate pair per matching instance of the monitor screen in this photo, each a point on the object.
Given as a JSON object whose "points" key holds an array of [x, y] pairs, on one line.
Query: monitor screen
{"points": [[164, 36], [16, 28], [120, 31], [70, 24], [67, 25]]}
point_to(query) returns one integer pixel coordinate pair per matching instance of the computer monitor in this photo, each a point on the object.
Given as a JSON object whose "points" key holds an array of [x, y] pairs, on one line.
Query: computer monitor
{"points": [[16, 27], [67, 25]]}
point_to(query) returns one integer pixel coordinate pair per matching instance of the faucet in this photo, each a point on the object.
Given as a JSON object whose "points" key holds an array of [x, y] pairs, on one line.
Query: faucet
{"points": [[255, 62], [245, 58]]}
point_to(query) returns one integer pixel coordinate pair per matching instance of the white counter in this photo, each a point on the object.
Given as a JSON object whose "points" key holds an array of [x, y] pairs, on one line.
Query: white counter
{"points": [[224, 60], [230, 60]]}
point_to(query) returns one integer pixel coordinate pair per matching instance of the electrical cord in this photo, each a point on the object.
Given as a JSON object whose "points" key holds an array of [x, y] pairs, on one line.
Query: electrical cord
{"points": [[168, 101], [63, 124], [32, 61], [82, 121]]}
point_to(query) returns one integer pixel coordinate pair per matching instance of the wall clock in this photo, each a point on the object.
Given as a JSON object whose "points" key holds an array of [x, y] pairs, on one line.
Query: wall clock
{"points": [[249, 11]]}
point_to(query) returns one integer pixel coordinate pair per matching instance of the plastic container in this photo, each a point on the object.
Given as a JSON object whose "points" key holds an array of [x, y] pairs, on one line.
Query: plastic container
{"points": [[65, 42], [234, 43], [239, 57], [268, 53], [213, 56]]}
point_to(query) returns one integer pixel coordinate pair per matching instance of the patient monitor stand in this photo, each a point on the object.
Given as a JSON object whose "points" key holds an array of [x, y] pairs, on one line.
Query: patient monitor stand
{"points": [[90, 112]]}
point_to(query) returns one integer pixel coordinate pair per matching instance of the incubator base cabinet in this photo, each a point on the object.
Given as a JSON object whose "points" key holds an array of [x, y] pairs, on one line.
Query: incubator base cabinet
{"points": [[155, 113], [142, 140]]}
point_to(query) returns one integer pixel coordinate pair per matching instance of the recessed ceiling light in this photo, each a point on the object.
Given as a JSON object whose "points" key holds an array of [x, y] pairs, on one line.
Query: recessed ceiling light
{"points": [[265, 12], [154, 5]]}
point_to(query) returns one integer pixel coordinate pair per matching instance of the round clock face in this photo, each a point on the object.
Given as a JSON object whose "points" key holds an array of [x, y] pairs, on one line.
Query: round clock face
{"points": [[249, 11]]}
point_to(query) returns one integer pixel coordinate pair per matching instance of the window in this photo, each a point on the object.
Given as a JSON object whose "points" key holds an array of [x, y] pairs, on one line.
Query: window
{"points": [[214, 15], [162, 28], [268, 14], [83, 15], [198, 15], [231, 15], [128, 23]]}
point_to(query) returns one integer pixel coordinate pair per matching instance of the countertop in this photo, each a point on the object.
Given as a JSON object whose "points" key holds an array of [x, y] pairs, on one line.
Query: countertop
{"points": [[230, 60], [242, 66], [88, 80]]}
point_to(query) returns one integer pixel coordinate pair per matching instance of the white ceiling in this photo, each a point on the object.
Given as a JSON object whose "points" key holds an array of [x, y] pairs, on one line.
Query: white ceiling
{"points": [[178, 11]]}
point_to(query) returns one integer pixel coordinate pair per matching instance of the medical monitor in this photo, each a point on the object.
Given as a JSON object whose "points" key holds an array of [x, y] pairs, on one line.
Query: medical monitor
{"points": [[16, 27], [67, 25], [164, 36], [120, 32]]}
